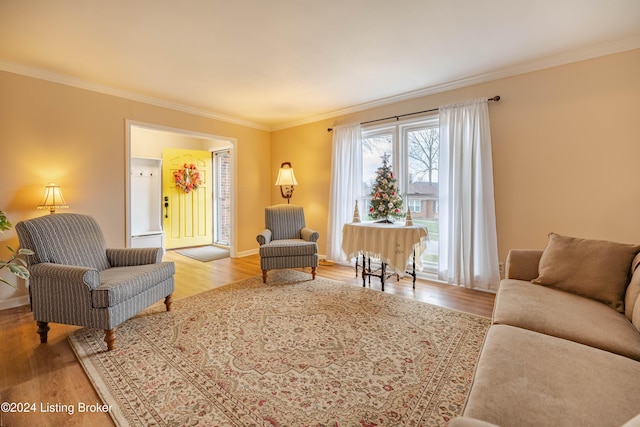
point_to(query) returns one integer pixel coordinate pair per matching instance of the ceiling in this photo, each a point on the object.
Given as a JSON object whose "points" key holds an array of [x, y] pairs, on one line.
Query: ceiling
{"points": [[272, 64]]}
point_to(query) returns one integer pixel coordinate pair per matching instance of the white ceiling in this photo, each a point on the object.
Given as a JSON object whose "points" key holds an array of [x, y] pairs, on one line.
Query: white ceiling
{"points": [[273, 63]]}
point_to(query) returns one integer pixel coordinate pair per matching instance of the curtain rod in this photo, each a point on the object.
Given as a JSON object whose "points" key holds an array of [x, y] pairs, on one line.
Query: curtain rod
{"points": [[495, 98]]}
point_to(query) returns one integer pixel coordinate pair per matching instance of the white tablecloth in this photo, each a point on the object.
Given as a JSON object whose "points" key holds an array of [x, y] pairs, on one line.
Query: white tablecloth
{"points": [[393, 244]]}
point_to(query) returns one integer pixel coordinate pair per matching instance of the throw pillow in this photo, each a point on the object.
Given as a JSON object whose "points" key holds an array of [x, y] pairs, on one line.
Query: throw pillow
{"points": [[595, 269], [633, 290]]}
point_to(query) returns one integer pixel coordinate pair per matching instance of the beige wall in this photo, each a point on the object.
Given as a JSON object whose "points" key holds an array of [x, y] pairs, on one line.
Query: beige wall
{"points": [[565, 152], [75, 137], [308, 148]]}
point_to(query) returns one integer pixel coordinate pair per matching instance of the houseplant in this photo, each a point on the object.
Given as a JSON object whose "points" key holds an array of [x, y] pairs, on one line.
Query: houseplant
{"points": [[16, 265]]}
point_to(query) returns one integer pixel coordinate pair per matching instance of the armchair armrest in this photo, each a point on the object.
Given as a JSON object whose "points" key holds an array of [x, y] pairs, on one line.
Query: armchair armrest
{"points": [[522, 264], [309, 235], [264, 237], [73, 275], [133, 256]]}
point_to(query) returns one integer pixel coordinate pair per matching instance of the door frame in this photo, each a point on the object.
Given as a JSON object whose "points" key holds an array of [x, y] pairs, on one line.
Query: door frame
{"points": [[213, 139], [215, 172]]}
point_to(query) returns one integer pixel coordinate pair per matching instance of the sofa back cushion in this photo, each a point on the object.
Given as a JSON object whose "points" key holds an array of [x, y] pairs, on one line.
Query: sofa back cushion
{"points": [[595, 269]]}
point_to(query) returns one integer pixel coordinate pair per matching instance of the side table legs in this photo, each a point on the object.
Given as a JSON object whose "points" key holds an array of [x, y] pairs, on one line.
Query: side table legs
{"points": [[366, 271]]}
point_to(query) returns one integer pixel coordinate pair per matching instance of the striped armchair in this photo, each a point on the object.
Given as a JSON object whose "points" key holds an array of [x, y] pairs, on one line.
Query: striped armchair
{"points": [[286, 242], [74, 279]]}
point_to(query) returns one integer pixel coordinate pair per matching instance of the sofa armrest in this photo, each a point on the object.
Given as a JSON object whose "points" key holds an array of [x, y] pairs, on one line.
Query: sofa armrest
{"points": [[134, 256], [264, 237], [522, 264], [309, 235], [68, 274]]}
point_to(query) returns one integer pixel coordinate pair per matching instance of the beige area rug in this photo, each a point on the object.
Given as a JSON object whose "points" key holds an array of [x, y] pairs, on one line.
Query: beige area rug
{"points": [[205, 253], [293, 352]]}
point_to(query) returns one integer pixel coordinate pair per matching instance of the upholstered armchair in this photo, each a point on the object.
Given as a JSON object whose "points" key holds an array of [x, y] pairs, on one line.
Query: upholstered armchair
{"points": [[286, 242], [74, 279]]}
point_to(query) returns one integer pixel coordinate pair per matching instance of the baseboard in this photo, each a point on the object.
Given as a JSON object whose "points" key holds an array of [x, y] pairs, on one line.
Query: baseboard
{"points": [[247, 253], [14, 302]]}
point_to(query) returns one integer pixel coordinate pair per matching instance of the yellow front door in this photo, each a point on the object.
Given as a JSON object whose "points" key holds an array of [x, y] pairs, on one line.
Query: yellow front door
{"points": [[188, 216]]}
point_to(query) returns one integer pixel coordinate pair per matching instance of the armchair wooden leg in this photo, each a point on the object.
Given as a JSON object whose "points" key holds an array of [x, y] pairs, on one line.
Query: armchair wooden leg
{"points": [[168, 301], [264, 276], [110, 338], [313, 272], [43, 330]]}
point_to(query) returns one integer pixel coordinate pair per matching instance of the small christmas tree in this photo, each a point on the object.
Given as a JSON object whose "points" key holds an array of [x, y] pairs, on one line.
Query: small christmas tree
{"points": [[385, 200]]}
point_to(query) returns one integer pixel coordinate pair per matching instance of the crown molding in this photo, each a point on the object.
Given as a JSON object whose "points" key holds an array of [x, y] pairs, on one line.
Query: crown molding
{"points": [[132, 96], [568, 57], [564, 58]]}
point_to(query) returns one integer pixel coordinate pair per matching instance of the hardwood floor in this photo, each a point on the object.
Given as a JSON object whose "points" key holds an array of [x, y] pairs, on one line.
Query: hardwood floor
{"points": [[48, 377]]}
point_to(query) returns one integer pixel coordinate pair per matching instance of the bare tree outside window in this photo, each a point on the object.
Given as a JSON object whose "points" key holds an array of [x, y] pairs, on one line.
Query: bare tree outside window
{"points": [[423, 150], [373, 149]]}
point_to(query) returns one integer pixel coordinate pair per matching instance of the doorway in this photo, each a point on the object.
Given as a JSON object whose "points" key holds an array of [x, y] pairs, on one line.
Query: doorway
{"points": [[148, 141]]}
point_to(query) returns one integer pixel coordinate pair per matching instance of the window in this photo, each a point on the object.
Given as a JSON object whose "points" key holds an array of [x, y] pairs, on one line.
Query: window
{"points": [[413, 150], [415, 205]]}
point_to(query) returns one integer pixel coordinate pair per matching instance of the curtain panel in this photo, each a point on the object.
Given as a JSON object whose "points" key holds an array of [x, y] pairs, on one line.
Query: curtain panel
{"points": [[468, 248], [346, 185]]}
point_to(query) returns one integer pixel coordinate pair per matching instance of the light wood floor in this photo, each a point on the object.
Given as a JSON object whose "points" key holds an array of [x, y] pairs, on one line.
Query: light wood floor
{"points": [[48, 374]]}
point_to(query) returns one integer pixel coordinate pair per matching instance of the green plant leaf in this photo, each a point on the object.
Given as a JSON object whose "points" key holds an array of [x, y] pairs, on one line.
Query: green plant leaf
{"points": [[21, 261], [19, 270]]}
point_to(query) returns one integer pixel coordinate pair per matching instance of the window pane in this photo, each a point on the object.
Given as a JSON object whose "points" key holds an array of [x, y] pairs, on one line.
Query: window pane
{"points": [[373, 148], [423, 151]]}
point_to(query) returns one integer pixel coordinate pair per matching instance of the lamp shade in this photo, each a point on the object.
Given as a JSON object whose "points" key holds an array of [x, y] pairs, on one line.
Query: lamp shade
{"points": [[52, 198], [286, 176]]}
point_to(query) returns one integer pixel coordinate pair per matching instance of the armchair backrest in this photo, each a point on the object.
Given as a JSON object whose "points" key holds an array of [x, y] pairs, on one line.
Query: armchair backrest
{"points": [[68, 239], [284, 221]]}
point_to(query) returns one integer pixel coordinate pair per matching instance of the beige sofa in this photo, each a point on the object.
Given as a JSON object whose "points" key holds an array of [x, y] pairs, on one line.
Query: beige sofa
{"points": [[564, 346]]}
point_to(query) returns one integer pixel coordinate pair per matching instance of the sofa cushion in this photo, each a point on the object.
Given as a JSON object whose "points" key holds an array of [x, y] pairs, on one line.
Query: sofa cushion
{"points": [[525, 378], [118, 284], [565, 315], [596, 269]]}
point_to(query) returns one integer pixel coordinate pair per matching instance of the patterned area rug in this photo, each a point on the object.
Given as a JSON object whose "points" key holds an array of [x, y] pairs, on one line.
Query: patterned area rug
{"points": [[294, 352]]}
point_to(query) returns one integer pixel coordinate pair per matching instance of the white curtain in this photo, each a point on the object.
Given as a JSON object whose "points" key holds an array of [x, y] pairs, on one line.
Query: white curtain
{"points": [[468, 247], [346, 185]]}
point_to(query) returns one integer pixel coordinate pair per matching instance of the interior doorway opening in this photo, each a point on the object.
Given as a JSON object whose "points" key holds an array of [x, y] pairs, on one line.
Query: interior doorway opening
{"points": [[146, 143]]}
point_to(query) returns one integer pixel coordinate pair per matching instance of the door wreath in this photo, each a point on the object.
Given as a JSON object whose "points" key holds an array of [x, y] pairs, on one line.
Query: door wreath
{"points": [[187, 178]]}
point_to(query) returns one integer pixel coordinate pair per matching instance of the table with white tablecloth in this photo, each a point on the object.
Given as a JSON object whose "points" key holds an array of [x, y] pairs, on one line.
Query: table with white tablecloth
{"points": [[393, 244]]}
